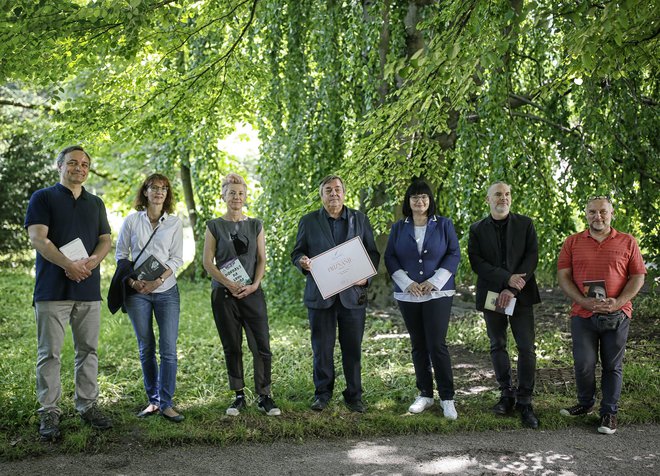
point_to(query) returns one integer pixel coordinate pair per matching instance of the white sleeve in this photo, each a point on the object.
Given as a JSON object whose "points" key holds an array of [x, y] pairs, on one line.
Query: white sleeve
{"points": [[401, 279]]}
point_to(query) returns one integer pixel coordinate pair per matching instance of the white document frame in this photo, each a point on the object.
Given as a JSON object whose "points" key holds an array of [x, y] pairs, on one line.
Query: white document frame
{"points": [[341, 267]]}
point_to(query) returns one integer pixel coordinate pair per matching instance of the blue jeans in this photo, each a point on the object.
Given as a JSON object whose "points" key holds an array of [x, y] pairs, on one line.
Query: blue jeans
{"points": [[588, 342], [159, 383], [427, 324]]}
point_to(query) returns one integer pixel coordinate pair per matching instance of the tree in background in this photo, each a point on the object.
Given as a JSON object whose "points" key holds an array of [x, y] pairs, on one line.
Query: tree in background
{"points": [[558, 98]]}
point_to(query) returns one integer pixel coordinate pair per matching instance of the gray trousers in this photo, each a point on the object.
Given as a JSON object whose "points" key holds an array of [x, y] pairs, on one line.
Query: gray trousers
{"points": [[52, 318]]}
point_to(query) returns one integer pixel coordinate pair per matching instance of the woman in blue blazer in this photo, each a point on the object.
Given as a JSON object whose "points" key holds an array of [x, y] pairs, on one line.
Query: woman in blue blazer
{"points": [[422, 256]]}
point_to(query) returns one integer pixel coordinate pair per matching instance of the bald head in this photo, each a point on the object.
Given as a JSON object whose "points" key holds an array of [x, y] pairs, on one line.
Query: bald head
{"points": [[499, 200]]}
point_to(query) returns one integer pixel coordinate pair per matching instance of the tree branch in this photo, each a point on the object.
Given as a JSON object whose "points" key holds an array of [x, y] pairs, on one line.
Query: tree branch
{"points": [[10, 102]]}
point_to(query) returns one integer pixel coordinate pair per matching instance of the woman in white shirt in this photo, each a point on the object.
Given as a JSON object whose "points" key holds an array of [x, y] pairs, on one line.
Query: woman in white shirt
{"points": [[157, 297], [422, 256]]}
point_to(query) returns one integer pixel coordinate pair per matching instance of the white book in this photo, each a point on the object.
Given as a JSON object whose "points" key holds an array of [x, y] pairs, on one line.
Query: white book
{"points": [[234, 270], [491, 304], [74, 250]]}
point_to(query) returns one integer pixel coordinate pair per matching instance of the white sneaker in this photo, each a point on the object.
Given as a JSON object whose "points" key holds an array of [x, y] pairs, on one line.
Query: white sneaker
{"points": [[448, 409], [420, 404]]}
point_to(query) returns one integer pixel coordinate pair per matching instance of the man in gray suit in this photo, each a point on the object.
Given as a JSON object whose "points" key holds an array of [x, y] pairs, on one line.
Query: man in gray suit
{"points": [[503, 252], [319, 231]]}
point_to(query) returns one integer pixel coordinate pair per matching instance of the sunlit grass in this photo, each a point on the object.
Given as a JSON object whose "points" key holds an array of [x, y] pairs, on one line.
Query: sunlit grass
{"points": [[202, 390]]}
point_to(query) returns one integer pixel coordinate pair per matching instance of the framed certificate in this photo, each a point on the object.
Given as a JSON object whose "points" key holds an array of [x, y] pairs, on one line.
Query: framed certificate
{"points": [[341, 267]]}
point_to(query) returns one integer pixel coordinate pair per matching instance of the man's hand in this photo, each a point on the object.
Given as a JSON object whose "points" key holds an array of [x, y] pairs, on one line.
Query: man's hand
{"points": [[92, 262], [362, 282], [77, 270], [595, 305], [603, 306], [516, 281], [305, 263], [504, 298]]}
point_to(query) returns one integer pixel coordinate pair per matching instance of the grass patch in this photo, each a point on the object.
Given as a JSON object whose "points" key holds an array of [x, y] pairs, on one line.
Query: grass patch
{"points": [[203, 394]]}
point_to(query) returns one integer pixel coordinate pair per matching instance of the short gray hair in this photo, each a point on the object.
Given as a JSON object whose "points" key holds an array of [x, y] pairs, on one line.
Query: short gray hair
{"points": [[498, 182], [330, 178]]}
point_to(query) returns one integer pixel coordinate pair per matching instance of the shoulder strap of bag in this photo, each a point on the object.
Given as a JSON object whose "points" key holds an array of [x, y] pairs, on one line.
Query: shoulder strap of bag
{"points": [[147, 244]]}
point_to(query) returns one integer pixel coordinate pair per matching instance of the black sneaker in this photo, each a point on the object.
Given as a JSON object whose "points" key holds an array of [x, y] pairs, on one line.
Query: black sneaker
{"points": [[504, 406], [49, 429], [267, 405], [95, 417], [575, 410], [607, 424], [236, 407]]}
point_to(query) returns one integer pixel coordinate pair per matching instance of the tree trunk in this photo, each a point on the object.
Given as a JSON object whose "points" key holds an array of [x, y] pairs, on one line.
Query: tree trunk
{"points": [[186, 181]]}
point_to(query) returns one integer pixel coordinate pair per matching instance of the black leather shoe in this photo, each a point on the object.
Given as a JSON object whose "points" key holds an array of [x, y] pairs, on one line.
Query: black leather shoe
{"points": [[356, 406], [176, 418], [504, 406], [527, 416], [319, 405]]}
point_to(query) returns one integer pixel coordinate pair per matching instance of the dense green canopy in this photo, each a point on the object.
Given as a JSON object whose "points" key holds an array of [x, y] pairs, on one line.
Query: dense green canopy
{"points": [[559, 98]]}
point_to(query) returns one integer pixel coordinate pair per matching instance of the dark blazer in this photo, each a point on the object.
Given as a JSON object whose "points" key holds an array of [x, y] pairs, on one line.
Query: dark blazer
{"points": [[440, 250], [521, 257], [314, 237]]}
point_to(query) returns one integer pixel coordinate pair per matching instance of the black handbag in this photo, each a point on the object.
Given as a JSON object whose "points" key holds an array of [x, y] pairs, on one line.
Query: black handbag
{"points": [[119, 289]]}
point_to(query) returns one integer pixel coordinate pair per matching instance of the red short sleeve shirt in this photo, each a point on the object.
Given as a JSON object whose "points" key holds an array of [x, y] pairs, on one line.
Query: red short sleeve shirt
{"points": [[613, 260]]}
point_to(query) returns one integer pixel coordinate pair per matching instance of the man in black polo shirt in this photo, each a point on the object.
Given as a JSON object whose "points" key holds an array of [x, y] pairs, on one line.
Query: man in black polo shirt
{"points": [[67, 288]]}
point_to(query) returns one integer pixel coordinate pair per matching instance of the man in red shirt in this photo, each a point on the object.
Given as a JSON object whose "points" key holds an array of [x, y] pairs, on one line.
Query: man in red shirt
{"points": [[596, 261]]}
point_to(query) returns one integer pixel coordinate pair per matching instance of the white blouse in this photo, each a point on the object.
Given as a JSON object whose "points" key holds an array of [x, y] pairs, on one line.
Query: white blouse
{"points": [[166, 245]]}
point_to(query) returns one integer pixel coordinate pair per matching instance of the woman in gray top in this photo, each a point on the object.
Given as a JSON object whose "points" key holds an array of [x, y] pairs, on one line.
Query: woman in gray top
{"points": [[235, 257]]}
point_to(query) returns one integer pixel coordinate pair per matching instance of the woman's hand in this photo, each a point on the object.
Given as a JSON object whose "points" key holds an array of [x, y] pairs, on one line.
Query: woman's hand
{"points": [[146, 287], [426, 287], [245, 290], [415, 289]]}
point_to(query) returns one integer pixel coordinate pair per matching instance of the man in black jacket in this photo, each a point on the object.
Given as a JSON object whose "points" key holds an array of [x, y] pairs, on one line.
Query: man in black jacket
{"points": [[319, 231], [503, 252]]}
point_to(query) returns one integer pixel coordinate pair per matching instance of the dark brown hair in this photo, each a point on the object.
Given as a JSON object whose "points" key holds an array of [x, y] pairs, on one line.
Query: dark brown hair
{"points": [[418, 187], [141, 201]]}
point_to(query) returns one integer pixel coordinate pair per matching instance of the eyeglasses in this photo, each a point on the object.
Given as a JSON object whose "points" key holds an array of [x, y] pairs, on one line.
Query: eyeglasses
{"points": [[240, 246], [419, 198], [158, 189]]}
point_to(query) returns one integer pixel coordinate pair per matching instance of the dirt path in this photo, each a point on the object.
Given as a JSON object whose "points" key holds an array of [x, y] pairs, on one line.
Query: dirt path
{"points": [[633, 450]]}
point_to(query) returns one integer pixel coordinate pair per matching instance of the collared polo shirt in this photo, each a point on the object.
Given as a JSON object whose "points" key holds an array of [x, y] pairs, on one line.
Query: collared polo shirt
{"points": [[612, 260], [67, 218]]}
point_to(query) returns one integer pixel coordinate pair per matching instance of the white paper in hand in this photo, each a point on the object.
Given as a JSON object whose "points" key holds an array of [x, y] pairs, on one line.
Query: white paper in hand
{"points": [[74, 250]]}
